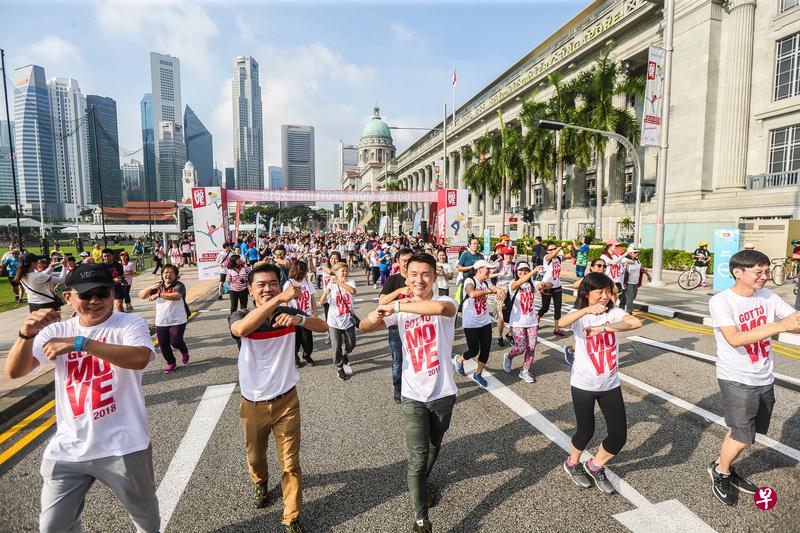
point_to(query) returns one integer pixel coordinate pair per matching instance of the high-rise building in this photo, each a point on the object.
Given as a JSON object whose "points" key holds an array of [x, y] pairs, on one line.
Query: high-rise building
{"points": [[71, 141], [34, 152], [169, 139], [217, 181], [230, 178], [275, 178], [248, 133], [133, 181], [149, 146], [199, 147], [105, 176], [165, 76], [297, 144], [6, 175]]}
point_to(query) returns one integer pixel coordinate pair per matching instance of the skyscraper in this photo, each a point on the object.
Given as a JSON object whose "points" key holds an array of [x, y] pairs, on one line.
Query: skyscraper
{"points": [[36, 168], [230, 178], [275, 178], [297, 144], [248, 134], [70, 136], [217, 181], [199, 148], [165, 76], [6, 176], [169, 139], [132, 181], [150, 187], [105, 174]]}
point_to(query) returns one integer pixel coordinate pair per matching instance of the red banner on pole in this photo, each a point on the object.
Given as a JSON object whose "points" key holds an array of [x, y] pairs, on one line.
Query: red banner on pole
{"points": [[238, 217]]}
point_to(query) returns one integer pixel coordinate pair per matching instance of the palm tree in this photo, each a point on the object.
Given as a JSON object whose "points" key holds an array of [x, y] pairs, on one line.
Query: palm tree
{"points": [[375, 209], [537, 145], [510, 165], [597, 88], [478, 176], [395, 208], [348, 212]]}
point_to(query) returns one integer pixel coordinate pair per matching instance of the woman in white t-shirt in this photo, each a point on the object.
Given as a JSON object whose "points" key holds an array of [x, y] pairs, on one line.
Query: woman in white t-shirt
{"points": [[444, 273], [339, 295], [615, 268], [523, 320], [34, 274], [595, 378], [171, 315], [175, 255], [308, 305], [128, 270], [327, 277]]}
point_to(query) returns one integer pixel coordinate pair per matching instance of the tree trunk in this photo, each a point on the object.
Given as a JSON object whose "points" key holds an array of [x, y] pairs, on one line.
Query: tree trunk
{"points": [[485, 208], [527, 200], [600, 177], [503, 205]]}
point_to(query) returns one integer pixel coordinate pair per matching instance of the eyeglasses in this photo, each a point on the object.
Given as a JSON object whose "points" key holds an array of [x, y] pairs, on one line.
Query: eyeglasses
{"points": [[551, 249], [759, 273], [101, 293]]}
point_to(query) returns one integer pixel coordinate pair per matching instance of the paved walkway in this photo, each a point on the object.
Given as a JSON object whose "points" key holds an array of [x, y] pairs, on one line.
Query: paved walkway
{"points": [[13, 391]]}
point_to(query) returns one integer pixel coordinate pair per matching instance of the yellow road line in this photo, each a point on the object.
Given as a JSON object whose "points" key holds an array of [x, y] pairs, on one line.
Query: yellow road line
{"points": [[30, 418], [24, 441], [782, 351]]}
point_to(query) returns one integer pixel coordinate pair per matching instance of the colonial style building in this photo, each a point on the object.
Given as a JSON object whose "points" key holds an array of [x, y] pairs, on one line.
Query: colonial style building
{"points": [[734, 145]]}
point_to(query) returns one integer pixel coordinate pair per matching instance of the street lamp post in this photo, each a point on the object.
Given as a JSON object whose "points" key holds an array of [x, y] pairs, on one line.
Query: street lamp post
{"points": [[557, 126]]}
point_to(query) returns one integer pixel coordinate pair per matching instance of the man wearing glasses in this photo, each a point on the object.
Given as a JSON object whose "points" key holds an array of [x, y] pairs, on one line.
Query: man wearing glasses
{"points": [[101, 423], [745, 317]]}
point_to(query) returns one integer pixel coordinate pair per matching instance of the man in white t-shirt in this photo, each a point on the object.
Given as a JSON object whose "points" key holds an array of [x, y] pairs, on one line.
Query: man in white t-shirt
{"points": [[745, 317], [427, 329], [267, 381], [101, 423]]}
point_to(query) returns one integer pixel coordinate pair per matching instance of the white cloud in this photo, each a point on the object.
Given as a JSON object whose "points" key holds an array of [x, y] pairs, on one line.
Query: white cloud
{"points": [[246, 32], [58, 56], [175, 27], [403, 32]]}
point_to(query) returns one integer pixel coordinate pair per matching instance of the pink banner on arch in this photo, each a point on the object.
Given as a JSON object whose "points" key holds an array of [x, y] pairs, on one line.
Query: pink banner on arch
{"points": [[331, 196]]}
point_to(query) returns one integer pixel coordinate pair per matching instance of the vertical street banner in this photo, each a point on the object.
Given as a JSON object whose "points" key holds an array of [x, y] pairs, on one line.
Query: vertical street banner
{"points": [[653, 94], [271, 219], [384, 223], [726, 243], [417, 227], [209, 233], [452, 226], [258, 224]]}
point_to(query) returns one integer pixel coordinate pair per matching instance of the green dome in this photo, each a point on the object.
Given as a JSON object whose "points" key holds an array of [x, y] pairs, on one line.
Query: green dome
{"points": [[376, 127]]}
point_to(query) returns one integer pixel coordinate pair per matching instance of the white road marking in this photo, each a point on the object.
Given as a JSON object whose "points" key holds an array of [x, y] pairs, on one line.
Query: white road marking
{"points": [[671, 516], [191, 448], [698, 355], [683, 404], [661, 311]]}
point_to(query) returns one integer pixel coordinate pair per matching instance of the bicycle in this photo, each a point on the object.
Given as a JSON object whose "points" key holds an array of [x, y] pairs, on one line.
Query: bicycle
{"points": [[783, 269], [690, 279]]}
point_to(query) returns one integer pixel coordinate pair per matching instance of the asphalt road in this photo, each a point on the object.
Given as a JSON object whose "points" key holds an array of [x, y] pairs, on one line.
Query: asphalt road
{"points": [[499, 470]]}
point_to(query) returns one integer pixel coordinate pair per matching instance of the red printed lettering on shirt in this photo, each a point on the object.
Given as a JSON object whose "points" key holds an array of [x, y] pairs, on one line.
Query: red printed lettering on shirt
{"points": [[556, 270], [614, 271], [422, 346], [602, 349], [480, 304], [760, 348], [304, 302], [526, 302], [343, 303], [88, 373]]}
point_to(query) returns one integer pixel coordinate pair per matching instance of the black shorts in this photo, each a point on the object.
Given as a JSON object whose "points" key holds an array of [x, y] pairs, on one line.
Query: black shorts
{"points": [[222, 278], [748, 409], [12, 282], [187, 255]]}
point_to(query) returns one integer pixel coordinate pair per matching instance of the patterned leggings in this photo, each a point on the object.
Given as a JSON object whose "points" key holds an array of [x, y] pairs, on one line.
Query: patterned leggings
{"points": [[524, 343]]}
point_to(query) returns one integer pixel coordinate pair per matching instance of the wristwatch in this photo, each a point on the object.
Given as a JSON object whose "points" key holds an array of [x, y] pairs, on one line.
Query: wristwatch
{"points": [[397, 306]]}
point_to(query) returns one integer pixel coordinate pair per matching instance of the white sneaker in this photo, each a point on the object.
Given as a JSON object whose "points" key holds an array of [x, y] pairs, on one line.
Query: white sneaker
{"points": [[527, 377], [506, 363], [327, 338]]}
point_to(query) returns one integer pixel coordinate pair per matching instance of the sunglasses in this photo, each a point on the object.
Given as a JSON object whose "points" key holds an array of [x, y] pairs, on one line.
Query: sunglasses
{"points": [[599, 265], [101, 293]]}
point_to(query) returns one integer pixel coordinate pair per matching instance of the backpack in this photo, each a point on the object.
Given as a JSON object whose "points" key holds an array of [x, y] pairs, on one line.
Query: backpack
{"points": [[461, 295]]}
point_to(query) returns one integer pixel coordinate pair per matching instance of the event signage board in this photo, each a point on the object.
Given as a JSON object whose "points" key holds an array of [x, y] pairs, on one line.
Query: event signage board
{"points": [[452, 225], [209, 233], [653, 94], [726, 243]]}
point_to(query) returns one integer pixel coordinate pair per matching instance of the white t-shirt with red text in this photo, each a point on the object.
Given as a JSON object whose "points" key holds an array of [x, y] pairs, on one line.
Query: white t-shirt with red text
{"points": [[340, 310], [306, 293], [614, 267], [100, 408], [595, 367], [427, 349], [523, 312], [751, 364], [552, 271], [475, 311]]}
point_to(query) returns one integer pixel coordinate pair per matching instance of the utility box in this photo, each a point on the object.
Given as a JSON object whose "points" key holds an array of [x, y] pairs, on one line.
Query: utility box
{"points": [[773, 237]]}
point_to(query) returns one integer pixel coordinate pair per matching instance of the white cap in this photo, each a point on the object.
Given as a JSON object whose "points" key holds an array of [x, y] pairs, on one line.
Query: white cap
{"points": [[749, 246], [481, 264], [632, 250], [83, 254], [523, 264]]}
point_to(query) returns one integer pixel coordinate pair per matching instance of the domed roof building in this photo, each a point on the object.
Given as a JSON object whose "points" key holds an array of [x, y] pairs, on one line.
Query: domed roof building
{"points": [[376, 145]]}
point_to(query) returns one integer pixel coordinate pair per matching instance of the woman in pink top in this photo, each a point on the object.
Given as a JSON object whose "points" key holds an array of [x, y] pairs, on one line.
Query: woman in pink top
{"points": [[128, 270]]}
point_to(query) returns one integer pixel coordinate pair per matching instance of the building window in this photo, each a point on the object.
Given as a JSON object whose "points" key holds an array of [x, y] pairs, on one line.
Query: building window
{"points": [[551, 231], [591, 187], [585, 228], [787, 67], [784, 149], [785, 5], [537, 196]]}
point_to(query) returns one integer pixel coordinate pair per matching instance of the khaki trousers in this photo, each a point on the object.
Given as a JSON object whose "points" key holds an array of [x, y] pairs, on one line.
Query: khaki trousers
{"points": [[282, 418]]}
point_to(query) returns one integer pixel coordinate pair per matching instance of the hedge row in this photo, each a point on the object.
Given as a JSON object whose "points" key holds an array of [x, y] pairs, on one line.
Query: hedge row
{"points": [[672, 259]]}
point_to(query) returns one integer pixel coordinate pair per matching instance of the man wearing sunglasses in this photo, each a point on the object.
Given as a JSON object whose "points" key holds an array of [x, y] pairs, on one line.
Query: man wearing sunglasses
{"points": [[101, 423]]}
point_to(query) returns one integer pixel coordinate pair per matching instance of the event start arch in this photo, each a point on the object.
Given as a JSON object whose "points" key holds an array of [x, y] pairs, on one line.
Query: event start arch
{"points": [[211, 225]]}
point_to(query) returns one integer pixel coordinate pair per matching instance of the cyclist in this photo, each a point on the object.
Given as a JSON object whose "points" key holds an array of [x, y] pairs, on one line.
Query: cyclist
{"points": [[138, 254], [701, 259]]}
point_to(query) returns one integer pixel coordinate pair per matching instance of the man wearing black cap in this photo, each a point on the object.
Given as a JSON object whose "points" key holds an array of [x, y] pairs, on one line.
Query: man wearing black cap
{"points": [[101, 430]]}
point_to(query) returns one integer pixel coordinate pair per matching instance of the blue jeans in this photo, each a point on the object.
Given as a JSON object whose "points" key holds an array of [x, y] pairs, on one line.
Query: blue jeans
{"points": [[397, 356]]}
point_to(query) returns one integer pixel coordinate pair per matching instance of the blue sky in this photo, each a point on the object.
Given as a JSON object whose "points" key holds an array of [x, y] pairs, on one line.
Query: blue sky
{"points": [[323, 63]]}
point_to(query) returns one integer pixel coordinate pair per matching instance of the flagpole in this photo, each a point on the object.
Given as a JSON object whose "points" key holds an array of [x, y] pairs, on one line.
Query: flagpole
{"points": [[454, 97]]}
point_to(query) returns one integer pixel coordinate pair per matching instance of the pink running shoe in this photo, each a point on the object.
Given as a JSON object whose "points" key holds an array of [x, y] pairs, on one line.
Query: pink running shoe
{"points": [[170, 369], [185, 358]]}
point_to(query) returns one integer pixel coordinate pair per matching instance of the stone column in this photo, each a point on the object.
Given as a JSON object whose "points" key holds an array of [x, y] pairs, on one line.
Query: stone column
{"points": [[578, 187], [450, 183], [616, 177], [462, 167], [735, 88]]}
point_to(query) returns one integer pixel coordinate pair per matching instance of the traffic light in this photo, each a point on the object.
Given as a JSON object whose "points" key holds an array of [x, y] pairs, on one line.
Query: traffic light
{"points": [[528, 214]]}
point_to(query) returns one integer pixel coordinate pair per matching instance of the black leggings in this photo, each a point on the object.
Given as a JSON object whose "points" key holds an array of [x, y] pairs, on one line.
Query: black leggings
{"points": [[126, 293], [303, 339], [238, 300], [376, 273], [479, 342], [171, 337], [613, 409], [555, 295], [622, 296], [159, 265]]}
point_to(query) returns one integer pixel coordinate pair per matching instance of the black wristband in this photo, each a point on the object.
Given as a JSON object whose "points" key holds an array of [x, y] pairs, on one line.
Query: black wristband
{"points": [[28, 337]]}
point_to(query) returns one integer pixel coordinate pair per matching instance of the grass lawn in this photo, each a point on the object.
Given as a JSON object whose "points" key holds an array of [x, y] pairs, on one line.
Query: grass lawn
{"points": [[7, 296]]}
